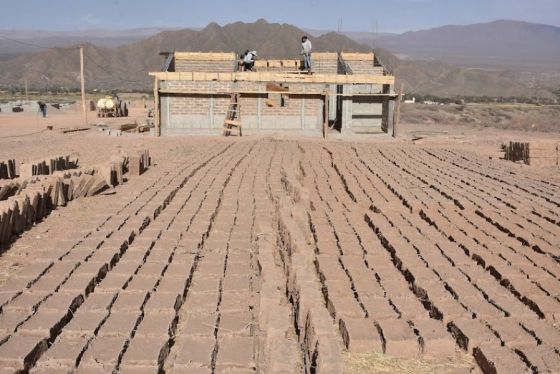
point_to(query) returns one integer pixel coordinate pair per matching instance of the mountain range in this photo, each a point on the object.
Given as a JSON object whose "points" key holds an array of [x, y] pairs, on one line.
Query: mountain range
{"points": [[495, 45], [448, 61]]}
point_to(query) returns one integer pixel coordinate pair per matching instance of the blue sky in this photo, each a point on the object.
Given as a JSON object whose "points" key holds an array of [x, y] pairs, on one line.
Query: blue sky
{"points": [[356, 15]]}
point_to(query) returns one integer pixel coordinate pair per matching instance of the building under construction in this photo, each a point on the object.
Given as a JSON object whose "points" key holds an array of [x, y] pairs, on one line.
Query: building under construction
{"points": [[205, 93]]}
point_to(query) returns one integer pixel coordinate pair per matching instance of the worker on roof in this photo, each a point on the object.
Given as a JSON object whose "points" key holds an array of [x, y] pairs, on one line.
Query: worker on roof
{"points": [[306, 48], [249, 60]]}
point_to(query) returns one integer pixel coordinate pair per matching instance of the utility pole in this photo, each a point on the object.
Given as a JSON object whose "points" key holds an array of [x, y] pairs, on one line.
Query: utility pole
{"points": [[26, 95], [83, 85]]}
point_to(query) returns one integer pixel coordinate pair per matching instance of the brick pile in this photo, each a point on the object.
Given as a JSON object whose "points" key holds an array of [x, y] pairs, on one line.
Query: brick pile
{"points": [[37, 197], [48, 166], [8, 169]]}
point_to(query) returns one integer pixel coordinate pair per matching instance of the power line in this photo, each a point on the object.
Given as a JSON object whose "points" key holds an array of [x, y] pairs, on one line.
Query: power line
{"points": [[25, 43], [104, 70]]}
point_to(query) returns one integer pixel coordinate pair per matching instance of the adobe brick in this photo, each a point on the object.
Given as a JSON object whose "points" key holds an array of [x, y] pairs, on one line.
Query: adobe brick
{"points": [[149, 351], [237, 301], [98, 301], [45, 323], [202, 302], [119, 323], [469, 333], [410, 307], [172, 285], [237, 323], [9, 320], [481, 307], [236, 283], [16, 284], [195, 351], [103, 352], [85, 322], [126, 267], [360, 335], [79, 283], [237, 351], [64, 351], [129, 301], [436, 341], [163, 301], [21, 351], [339, 307], [400, 340], [493, 358], [26, 302], [112, 283], [543, 358]]}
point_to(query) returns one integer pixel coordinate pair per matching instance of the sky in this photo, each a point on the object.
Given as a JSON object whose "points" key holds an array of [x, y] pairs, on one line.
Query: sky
{"points": [[354, 15]]}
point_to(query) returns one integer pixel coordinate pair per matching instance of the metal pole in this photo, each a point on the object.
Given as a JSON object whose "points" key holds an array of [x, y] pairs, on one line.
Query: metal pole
{"points": [[83, 85], [26, 95]]}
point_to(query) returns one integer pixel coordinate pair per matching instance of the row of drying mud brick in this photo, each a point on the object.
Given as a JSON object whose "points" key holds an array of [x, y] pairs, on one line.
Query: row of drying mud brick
{"points": [[8, 169], [433, 336], [164, 266], [139, 162], [37, 197], [390, 278], [234, 350], [27, 200]]}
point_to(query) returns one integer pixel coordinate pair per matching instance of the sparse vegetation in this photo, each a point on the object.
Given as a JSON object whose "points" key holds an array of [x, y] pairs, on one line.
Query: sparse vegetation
{"points": [[423, 98], [525, 117]]}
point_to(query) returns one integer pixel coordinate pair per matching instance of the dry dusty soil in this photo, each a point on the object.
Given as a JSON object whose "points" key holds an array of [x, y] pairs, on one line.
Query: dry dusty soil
{"points": [[286, 256]]}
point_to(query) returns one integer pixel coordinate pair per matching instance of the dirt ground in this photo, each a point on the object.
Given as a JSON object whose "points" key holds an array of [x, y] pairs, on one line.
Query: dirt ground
{"points": [[426, 254], [526, 118]]}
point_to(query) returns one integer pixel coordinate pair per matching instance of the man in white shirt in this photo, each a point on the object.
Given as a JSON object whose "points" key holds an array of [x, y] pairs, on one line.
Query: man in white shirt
{"points": [[249, 61], [306, 48]]}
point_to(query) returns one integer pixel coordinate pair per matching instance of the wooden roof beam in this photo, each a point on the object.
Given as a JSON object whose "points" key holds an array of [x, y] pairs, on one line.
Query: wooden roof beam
{"points": [[278, 77]]}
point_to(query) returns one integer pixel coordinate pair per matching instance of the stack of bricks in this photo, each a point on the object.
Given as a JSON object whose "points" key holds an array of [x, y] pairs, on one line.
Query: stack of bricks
{"points": [[113, 173], [516, 151], [139, 163], [535, 153], [8, 188], [48, 166], [8, 169], [36, 198]]}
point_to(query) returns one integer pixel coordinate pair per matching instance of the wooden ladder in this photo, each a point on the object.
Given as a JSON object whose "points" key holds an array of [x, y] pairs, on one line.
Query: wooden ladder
{"points": [[232, 122]]}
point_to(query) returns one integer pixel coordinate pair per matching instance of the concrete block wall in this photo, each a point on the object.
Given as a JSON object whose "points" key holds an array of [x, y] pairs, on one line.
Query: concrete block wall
{"points": [[323, 63], [204, 114], [364, 67], [209, 66], [362, 114]]}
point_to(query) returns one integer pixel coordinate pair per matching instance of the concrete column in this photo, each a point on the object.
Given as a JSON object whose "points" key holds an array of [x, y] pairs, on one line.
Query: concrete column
{"points": [[346, 109], [211, 112], [332, 102], [303, 110], [259, 117]]}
